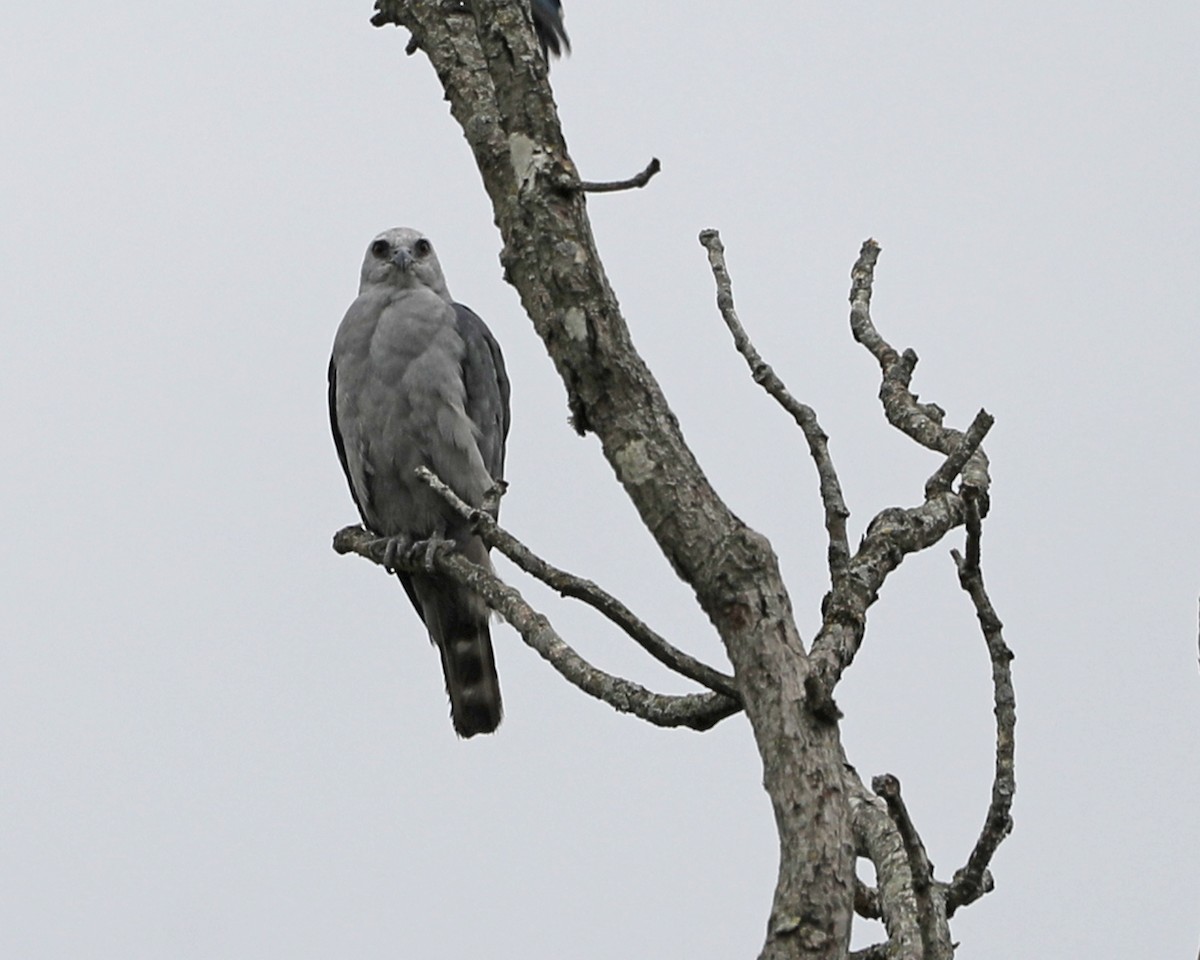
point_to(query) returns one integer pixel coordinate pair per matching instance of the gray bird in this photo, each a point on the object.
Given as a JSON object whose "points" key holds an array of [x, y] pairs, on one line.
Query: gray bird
{"points": [[418, 380]]}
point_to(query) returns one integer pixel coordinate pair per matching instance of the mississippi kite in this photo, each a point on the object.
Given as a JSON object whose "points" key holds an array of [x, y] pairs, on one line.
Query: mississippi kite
{"points": [[418, 380], [547, 21]]}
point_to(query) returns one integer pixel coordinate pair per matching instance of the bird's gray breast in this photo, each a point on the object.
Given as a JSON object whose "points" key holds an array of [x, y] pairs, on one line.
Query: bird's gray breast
{"points": [[400, 404]]}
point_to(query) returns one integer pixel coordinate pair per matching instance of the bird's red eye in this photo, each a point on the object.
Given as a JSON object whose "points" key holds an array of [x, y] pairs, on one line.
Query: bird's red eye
{"points": [[381, 249], [422, 247]]}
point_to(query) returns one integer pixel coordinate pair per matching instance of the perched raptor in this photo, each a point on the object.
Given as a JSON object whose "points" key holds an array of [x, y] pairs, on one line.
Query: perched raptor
{"points": [[418, 380], [547, 21]]}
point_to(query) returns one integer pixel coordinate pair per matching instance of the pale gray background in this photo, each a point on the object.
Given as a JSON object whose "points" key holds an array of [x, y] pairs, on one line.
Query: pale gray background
{"points": [[223, 741]]}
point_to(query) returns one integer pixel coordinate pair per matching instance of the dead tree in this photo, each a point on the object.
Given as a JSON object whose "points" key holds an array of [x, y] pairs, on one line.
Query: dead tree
{"points": [[495, 80]]}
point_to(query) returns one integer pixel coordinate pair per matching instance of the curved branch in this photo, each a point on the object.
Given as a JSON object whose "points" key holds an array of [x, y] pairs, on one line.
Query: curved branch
{"points": [[973, 880], [586, 591], [920, 421], [836, 513], [699, 711], [895, 532]]}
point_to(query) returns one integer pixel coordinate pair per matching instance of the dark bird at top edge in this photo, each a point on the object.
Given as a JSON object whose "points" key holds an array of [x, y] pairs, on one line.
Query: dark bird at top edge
{"points": [[547, 21]]}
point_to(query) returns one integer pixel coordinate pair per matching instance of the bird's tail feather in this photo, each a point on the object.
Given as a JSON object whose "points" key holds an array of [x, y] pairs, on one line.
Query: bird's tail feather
{"points": [[457, 621], [472, 683]]}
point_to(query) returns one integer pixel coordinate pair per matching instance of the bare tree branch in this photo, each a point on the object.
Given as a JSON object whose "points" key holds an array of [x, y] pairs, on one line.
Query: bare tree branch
{"points": [[637, 181], [920, 421], [862, 282], [974, 880], [584, 590], [892, 535], [887, 786], [931, 905], [697, 711], [879, 840], [895, 532], [805, 417]]}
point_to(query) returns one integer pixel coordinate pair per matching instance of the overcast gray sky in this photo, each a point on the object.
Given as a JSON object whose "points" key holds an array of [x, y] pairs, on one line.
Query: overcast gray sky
{"points": [[221, 740]]}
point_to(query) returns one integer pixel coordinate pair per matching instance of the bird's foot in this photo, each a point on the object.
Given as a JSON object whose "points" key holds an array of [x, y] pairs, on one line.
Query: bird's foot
{"points": [[430, 548], [396, 548], [403, 549]]}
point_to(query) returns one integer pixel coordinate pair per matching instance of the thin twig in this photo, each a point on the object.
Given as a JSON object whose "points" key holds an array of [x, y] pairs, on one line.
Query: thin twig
{"points": [[805, 417], [586, 591], [611, 186], [973, 880], [699, 711]]}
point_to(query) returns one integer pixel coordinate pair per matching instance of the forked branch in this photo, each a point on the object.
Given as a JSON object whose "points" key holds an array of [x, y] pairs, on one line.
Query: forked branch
{"points": [[895, 532]]}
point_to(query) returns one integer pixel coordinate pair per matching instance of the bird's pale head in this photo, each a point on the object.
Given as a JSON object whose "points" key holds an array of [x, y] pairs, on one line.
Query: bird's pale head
{"points": [[403, 258]]}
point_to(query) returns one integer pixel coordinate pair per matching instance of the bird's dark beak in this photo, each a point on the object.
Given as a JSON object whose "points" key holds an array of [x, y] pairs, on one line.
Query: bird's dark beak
{"points": [[402, 260]]}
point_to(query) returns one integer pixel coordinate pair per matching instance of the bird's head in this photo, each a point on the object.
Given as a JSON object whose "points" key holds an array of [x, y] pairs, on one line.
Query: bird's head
{"points": [[403, 258]]}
